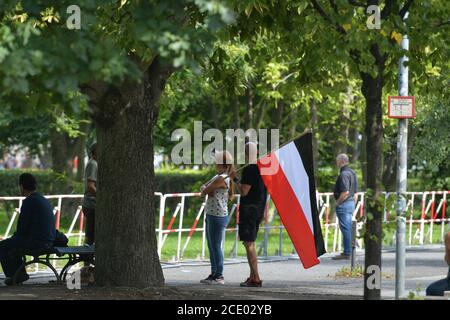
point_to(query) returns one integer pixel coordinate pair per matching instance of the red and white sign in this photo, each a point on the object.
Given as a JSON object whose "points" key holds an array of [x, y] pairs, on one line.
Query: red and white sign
{"points": [[401, 107]]}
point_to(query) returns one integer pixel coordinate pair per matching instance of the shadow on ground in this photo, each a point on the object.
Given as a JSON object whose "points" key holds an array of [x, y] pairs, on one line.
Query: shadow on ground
{"points": [[58, 292]]}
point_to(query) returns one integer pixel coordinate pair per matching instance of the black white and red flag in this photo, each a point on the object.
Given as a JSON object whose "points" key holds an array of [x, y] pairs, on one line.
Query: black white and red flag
{"points": [[288, 174]]}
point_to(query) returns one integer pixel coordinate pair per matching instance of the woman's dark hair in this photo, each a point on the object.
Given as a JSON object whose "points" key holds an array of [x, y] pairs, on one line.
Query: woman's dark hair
{"points": [[27, 181]]}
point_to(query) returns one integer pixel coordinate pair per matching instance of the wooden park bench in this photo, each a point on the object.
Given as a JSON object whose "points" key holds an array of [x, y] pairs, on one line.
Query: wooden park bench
{"points": [[73, 255]]}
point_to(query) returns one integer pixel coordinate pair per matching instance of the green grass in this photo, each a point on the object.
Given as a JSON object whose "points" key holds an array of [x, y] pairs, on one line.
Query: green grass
{"points": [[347, 272], [357, 272], [194, 248]]}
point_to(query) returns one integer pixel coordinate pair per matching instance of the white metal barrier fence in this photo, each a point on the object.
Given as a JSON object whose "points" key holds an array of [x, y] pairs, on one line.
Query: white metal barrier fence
{"points": [[427, 222]]}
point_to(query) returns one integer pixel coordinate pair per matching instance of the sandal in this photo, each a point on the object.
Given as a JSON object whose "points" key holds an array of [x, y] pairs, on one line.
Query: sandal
{"points": [[251, 284]]}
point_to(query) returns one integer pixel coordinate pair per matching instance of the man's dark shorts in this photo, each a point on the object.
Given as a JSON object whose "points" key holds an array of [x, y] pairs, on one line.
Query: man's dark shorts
{"points": [[250, 217]]}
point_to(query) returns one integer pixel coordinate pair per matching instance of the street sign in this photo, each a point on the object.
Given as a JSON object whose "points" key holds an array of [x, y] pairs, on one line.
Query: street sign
{"points": [[401, 107]]}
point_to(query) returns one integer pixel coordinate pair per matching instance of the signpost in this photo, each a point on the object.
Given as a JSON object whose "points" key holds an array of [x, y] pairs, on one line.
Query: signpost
{"points": [[401, 107]]}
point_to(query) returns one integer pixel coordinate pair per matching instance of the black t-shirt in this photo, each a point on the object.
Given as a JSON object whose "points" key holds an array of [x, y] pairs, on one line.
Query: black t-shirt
{"points": [[257, 194], [346, 182]]}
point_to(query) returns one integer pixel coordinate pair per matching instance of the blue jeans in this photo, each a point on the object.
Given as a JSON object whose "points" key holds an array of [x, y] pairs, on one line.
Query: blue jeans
{"points": [[215, 232], [437, 288], [344, 213]]}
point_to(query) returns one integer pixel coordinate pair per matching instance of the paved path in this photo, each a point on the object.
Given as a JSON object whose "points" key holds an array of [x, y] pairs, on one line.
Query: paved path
{"points": [[423, 266], [284, 278]]}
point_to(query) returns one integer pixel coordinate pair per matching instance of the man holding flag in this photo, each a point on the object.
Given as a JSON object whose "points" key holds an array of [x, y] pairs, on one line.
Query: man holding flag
{"points": [[251, 211], [288, 174]]}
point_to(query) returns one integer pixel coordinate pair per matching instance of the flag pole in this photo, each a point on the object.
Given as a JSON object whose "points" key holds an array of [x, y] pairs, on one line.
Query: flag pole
{"points": [[307, 130]]}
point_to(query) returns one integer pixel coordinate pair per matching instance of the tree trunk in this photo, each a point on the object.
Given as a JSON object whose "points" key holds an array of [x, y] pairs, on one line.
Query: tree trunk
{"points": [[80, 151], [61, 152], [390, 160], [412, 133], [293, 129], [214, 114], [126, 246], [260, 112], [64, 149], [363, 161], [372, 91], [249, 112], [314, 126], [237, 117], [344, 124], [279, 115], [390, 169], [81, 161]]}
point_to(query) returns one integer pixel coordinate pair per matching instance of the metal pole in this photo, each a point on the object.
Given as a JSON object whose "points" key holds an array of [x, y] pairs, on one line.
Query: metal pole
{"points": [[162, 204], [353, 260], [402, 144]]}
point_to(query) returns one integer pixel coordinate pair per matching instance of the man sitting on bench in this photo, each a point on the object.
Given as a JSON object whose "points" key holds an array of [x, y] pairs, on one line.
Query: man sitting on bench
{"points": [[35, 229]]}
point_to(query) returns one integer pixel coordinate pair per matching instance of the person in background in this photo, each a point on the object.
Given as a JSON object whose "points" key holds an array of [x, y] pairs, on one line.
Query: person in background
{"points": [[345, 193], [35, 229], [219, 190], [88, 207], [251, 211], [439, 287], [90, 193], [11, 162]]}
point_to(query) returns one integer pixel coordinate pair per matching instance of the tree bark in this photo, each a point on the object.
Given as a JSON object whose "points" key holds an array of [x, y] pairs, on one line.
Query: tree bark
{"points": [[250, 109], [293, 129], [80, 151], [390, 169], [260, 112], [315, 127], [363, 161], [342, 142], [237, 116], [61, 152], [390, 160], [279, 115], [215, 114], [64, 149], [126, 247], [372, 91]]}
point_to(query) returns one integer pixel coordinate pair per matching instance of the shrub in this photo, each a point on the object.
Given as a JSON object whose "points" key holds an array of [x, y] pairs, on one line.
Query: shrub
{"points": [[48, 182], [172, 180]]}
